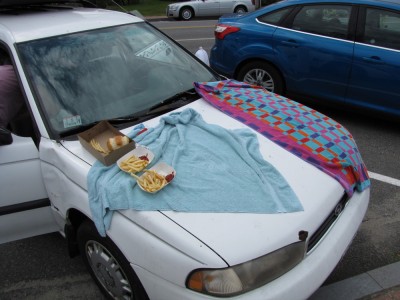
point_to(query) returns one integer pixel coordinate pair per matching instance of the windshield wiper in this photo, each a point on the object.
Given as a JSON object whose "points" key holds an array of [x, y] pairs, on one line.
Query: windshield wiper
{"points": [[177, 100], [167, 105]]}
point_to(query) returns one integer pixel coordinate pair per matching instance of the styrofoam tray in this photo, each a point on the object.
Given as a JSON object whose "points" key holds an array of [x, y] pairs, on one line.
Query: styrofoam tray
{"points": [[163, 169], [138, 152]]}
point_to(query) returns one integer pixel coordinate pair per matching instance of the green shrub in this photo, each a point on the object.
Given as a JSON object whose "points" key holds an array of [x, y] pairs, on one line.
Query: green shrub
{"points": [[145, 7]]}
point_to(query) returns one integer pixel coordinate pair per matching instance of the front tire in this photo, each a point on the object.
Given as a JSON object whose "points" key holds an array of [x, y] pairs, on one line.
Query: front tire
{"points": [[186, 13], [240, 10], [107, 265], [262, 74]]}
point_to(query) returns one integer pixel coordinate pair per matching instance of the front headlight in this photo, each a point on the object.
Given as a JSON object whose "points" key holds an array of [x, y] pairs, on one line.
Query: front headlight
{"points": [[247, 276], [172, 7]]}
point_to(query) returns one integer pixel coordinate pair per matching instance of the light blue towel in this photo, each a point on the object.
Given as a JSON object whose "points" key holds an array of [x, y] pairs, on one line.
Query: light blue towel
{"points": [[217, 170]]}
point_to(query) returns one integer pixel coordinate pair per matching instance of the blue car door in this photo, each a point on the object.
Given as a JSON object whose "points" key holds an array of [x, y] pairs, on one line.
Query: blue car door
{"points": [[375, 79], [315, 53]]}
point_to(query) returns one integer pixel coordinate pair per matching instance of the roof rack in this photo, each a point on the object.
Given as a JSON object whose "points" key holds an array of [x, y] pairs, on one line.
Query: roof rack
{"points": [[23, 3]]}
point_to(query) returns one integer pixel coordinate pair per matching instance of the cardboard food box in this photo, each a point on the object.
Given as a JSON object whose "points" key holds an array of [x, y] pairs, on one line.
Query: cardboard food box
{"points": [[101, 133]]}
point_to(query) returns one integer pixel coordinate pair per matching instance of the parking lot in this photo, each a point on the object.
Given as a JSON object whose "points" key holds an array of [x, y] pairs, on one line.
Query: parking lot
{"points": [[39, 268]]}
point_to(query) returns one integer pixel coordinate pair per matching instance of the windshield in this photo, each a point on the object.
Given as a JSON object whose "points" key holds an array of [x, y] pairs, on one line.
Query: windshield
{"points": [[104, 74]]}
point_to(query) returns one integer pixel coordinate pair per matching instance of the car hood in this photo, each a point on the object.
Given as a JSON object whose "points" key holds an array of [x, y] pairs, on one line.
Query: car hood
{"points": [[239, 237]]}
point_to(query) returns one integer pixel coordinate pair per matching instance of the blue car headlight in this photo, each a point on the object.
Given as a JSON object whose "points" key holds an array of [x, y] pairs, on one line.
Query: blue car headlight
{"points": [[247, 276]]}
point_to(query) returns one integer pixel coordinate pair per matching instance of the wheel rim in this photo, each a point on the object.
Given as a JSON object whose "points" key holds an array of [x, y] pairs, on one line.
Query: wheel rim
{"points": [[108, 271], [240, 11], [261, 78], [186, 14]]}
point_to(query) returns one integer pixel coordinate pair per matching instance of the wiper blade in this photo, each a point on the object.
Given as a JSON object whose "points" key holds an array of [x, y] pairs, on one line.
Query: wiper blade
{"points": [[169, 104], [133, 118], [128, 118], [177, 99]]}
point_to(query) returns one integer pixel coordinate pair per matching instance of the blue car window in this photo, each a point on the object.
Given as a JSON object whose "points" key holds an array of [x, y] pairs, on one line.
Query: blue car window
{"points": [[382, 28], [326, 20], [275, 17]]}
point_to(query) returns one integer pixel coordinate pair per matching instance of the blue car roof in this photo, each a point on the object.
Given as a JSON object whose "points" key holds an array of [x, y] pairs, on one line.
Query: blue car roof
{"points": [[388, 3]]}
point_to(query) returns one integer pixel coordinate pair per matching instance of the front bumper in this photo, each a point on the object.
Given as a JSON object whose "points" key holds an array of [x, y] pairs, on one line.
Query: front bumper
{"points": [[299, 283], [172, 13]]}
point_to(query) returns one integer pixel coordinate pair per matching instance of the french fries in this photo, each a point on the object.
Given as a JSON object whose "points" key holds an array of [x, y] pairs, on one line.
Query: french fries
{"points": [[151, 181], [133, 164], [95, 144]]}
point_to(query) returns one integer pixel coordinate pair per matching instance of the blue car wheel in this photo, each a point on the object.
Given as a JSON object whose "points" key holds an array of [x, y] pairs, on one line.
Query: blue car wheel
{"points": [[262, 74]]}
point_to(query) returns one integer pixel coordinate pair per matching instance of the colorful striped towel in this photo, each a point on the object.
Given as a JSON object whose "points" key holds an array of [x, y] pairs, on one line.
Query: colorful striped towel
{"points": [[299, 129]]}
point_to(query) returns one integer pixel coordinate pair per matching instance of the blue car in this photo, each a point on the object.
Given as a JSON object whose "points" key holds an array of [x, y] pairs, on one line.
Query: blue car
{"points": [[342, 52]]}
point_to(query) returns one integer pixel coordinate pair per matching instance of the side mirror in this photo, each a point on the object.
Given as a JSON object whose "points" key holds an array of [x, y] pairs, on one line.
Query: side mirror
{"points": [[5, 136]]}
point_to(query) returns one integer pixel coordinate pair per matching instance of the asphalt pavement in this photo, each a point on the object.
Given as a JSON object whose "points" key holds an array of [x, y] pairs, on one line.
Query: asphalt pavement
{"points": [[379, 284]]}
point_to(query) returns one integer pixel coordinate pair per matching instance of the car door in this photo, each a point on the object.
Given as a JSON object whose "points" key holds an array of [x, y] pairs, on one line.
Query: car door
{"points": [[25, 209], [375, 81], [226, 6], [208, 8], [314, 52]]}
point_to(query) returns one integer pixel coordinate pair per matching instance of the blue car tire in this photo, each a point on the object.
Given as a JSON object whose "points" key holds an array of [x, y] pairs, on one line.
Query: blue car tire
{"points": [[262, 74]]}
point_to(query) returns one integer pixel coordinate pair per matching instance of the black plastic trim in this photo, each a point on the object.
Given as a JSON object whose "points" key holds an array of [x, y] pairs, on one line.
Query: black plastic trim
{"points": [[25, 206], [320, 232]]}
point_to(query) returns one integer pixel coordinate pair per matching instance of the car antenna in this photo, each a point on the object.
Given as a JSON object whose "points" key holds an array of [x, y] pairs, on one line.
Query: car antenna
{"points": [[117, 4], [134, 12]]}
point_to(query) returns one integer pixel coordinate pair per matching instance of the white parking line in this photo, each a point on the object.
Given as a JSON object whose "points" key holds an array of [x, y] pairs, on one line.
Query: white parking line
{"points": [[186, 27], [200, 39], [384, 178]]}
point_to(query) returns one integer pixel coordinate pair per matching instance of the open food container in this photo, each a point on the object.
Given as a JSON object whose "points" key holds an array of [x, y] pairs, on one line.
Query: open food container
{"points": [[156, 178], [135, 160], [96, 140]]}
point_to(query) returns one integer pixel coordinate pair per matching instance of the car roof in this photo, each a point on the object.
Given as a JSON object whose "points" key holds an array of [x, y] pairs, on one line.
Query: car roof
{"points": [[23, 24]]}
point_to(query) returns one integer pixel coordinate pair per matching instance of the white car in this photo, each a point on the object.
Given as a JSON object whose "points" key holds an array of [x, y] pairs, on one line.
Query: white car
{"points": [[93, 65], [208, 8]]}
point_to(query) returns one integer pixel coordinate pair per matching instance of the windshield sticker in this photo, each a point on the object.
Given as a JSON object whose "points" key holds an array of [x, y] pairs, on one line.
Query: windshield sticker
{"points": [[72, 121], [153, 50]]}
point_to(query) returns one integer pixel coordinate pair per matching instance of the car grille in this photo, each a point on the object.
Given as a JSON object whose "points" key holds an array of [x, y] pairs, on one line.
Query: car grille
{"points": [[320, 232]]}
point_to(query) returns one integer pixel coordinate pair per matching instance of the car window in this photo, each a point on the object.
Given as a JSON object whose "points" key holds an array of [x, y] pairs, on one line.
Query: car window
{"points": [[106, 73], [382, 28], [275, 17], [327, 20]]}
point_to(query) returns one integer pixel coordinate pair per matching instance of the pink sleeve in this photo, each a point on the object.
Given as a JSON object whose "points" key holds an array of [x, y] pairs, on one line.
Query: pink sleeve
{"points": [[11, 98]]}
